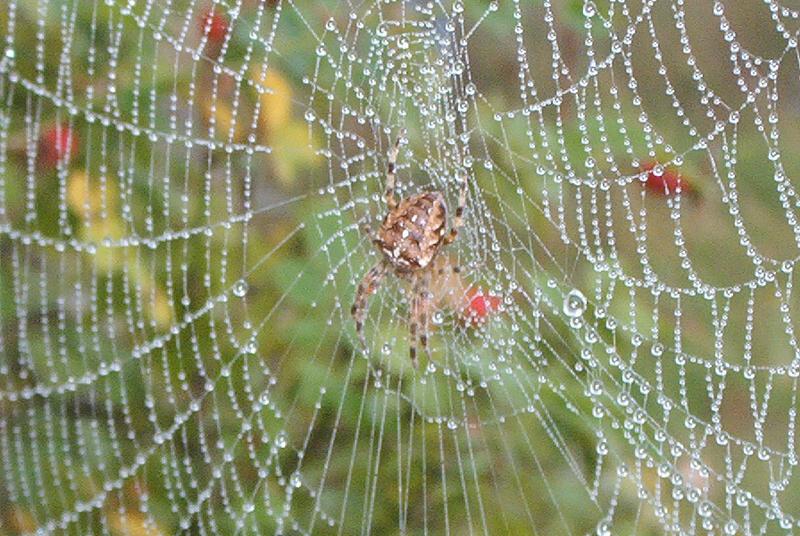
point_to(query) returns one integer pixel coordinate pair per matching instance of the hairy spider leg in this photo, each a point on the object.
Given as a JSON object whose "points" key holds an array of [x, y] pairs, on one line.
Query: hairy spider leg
{"points": [[455, 268], [367, 230], [424, 303], [412, 327], [418, 315], [391, 172], [368, 285], [458, 221]]}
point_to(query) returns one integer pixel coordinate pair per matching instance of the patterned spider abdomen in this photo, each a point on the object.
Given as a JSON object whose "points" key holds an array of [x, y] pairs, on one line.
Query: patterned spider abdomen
{"points": [[412, 233]]}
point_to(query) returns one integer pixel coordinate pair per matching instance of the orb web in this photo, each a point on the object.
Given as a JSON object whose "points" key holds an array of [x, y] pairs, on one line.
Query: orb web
{"points": [[183, 192]]}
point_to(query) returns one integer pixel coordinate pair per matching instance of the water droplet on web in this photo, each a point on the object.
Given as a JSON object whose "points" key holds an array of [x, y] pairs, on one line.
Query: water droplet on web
{"points": [[295, 480], [240, 288], [731, 527], [596, 388], [705, 509], [574, 303]]}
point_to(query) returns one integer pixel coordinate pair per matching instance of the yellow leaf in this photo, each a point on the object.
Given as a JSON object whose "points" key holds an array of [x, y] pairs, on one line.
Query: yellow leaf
{"points": [[132, 524], [110, 260], [159, 308], [86, 198], [276, 99], [107, 228], [106, 259], [291, 151], [223, 118]]}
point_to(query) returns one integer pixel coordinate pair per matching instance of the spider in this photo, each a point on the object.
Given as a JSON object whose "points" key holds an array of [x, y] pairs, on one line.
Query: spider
{"points": [[411, 236]]}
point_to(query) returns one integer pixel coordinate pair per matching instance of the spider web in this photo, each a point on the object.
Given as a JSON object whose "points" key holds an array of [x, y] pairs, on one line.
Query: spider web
{"points": [[177, 349]]}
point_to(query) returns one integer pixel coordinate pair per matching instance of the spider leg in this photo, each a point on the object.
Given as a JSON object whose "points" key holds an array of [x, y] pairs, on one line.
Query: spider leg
{"points": [[391, 176], [367, 230], [425, 302], [368, 285], [412, 328], [456, 269], [458, 221], [418, 323]]}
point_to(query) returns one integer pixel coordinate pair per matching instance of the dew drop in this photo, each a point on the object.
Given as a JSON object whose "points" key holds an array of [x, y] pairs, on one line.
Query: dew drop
{"points": [[295, 480], [731, 527], [574, 303], [240, 288]]}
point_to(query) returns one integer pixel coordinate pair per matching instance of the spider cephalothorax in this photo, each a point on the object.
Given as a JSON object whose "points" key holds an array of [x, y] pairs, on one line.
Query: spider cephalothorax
{"points": [[411, 235]]}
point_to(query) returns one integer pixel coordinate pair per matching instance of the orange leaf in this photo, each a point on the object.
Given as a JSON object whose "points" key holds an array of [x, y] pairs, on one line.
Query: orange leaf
{"points": [[21, 520]]}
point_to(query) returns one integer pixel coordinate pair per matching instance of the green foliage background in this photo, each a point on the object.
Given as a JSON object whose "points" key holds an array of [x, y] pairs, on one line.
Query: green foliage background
{"points": [[118, 270]]}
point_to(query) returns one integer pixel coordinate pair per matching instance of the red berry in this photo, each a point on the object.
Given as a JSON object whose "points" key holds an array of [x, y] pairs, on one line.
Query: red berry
{"points": [[57, 143], [480, 306], [214, 25], [667, 183]]}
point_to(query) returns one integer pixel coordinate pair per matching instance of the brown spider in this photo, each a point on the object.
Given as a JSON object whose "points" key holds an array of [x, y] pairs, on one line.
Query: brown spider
{"points": [[410, 237]]}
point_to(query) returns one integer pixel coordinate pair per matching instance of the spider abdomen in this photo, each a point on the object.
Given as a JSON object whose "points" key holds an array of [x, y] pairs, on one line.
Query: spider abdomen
{"points": [[413, 232]]}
